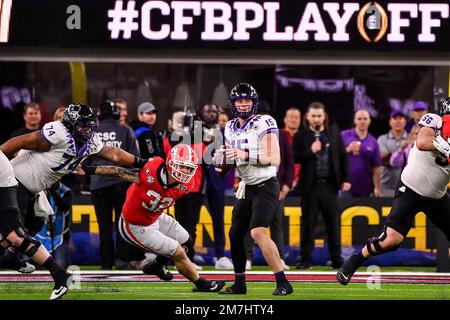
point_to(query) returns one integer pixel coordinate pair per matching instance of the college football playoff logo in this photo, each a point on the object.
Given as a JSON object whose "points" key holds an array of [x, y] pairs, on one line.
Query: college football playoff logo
{"points": [[372, 22]]}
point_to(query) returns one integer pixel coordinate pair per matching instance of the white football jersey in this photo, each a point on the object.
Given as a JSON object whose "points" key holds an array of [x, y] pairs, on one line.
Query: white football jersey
{"points": [[38, 171], [427, 172], [7, 178], [248, 137]]}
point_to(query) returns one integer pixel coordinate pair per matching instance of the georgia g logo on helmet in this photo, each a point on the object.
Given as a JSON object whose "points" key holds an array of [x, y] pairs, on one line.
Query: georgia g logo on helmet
{"points": [[80, 121], [243, 91], [182, 163]]}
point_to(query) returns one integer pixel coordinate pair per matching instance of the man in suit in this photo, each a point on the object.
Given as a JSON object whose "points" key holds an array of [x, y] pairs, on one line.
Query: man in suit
{"points": [[321, 152]]}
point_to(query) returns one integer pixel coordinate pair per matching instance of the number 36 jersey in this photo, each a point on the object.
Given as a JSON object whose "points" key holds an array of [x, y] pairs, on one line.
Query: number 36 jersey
{"points": [[147, 200], [38, 171]]}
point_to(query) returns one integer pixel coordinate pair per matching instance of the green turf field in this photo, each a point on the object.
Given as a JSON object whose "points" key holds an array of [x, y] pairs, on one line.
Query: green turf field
{"points": [[256, 291]]}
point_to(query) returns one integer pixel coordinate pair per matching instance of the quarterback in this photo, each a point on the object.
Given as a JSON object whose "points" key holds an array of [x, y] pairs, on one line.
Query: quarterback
{"points": [[251, 144]]}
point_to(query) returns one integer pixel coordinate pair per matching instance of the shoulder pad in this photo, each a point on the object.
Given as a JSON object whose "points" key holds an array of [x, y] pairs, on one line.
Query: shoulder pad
{"points": [[431, 120]]}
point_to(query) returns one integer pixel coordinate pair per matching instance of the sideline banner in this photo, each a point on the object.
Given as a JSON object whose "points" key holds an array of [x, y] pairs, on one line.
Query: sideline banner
{"points": [[360, 219], [230, 25]]}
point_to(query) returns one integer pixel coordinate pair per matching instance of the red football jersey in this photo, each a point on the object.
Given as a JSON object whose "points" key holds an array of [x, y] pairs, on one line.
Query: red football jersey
{"points": [[147, 200]]}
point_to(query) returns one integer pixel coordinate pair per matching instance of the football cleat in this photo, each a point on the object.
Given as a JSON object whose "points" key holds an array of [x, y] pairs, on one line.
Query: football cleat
{"points": [[11, 260], [213, 286], [26, 268], [61, 289], [283, 290], [160, 272], [235, 289], [347, 270], [343, 277]]}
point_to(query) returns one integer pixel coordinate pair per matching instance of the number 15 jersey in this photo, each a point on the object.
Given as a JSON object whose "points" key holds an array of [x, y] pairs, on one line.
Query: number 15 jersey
{"points": [[248, 138], [147, 200]]}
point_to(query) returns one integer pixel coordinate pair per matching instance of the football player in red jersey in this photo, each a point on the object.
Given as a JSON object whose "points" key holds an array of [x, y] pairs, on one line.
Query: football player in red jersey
{"points": [[143, 223]]}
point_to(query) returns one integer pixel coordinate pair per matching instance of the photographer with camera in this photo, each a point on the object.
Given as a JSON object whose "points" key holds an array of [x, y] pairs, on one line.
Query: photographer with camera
{"points": [[185, 127], [108, 193], [215, 191]]}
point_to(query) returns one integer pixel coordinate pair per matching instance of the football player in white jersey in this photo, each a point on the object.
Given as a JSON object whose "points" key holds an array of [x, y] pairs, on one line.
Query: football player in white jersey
{"points": [[56, 150], [12, 234], [251, 143], [421, 188]]}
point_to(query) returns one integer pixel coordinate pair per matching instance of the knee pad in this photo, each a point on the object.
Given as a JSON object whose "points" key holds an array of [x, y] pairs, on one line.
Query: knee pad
{"points": [[27, 241], [34, 225], [375, 241]]}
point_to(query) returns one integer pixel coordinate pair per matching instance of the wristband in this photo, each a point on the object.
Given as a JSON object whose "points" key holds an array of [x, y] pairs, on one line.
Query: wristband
{"points": [[89, 170], [139, 162]]}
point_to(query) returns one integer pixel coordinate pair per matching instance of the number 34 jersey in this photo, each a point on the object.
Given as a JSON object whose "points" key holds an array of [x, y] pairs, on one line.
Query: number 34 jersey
{"points": [[38, 171], [147, 200]]}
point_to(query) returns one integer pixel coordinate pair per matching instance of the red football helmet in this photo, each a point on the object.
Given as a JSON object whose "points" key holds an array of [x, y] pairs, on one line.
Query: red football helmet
{"points": [[182, 163]]}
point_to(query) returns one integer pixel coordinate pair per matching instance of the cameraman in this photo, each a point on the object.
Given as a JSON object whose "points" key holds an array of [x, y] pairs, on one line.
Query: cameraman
{"points": [[215, 190], [108, 193], [187, 208]]}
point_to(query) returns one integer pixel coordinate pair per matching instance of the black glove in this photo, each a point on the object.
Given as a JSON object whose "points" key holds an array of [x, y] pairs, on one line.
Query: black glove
{"points": [[139, 162], [89, 170]]}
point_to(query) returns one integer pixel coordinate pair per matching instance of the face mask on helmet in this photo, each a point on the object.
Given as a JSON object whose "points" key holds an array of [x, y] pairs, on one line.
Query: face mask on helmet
{"points": [[80, 121], [182, 163], [243, 91], [445, 114]]}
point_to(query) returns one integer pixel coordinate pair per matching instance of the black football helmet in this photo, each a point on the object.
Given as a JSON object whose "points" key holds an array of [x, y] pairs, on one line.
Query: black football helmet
{"points": [[108, 109], [80, 121], [243, 91], [445, 107]]}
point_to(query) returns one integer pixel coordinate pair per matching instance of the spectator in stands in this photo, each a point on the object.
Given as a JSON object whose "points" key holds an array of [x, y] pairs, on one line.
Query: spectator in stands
{"points": [[231, 175], [364, 158], [400, 157], [223, 119], [32, 118], [418, 110], [292, 122], [109, 193], [123, 110], [59, 114], [320, 150], [396, 139], [149, 140], [215, 190]]}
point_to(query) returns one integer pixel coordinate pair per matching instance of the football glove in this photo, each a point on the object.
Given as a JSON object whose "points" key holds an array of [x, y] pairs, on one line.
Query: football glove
{"points": [[442, 146]]}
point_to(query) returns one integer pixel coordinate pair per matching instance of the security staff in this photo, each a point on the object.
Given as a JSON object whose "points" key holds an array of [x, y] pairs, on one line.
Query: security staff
{"points": [[108, 193]]}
